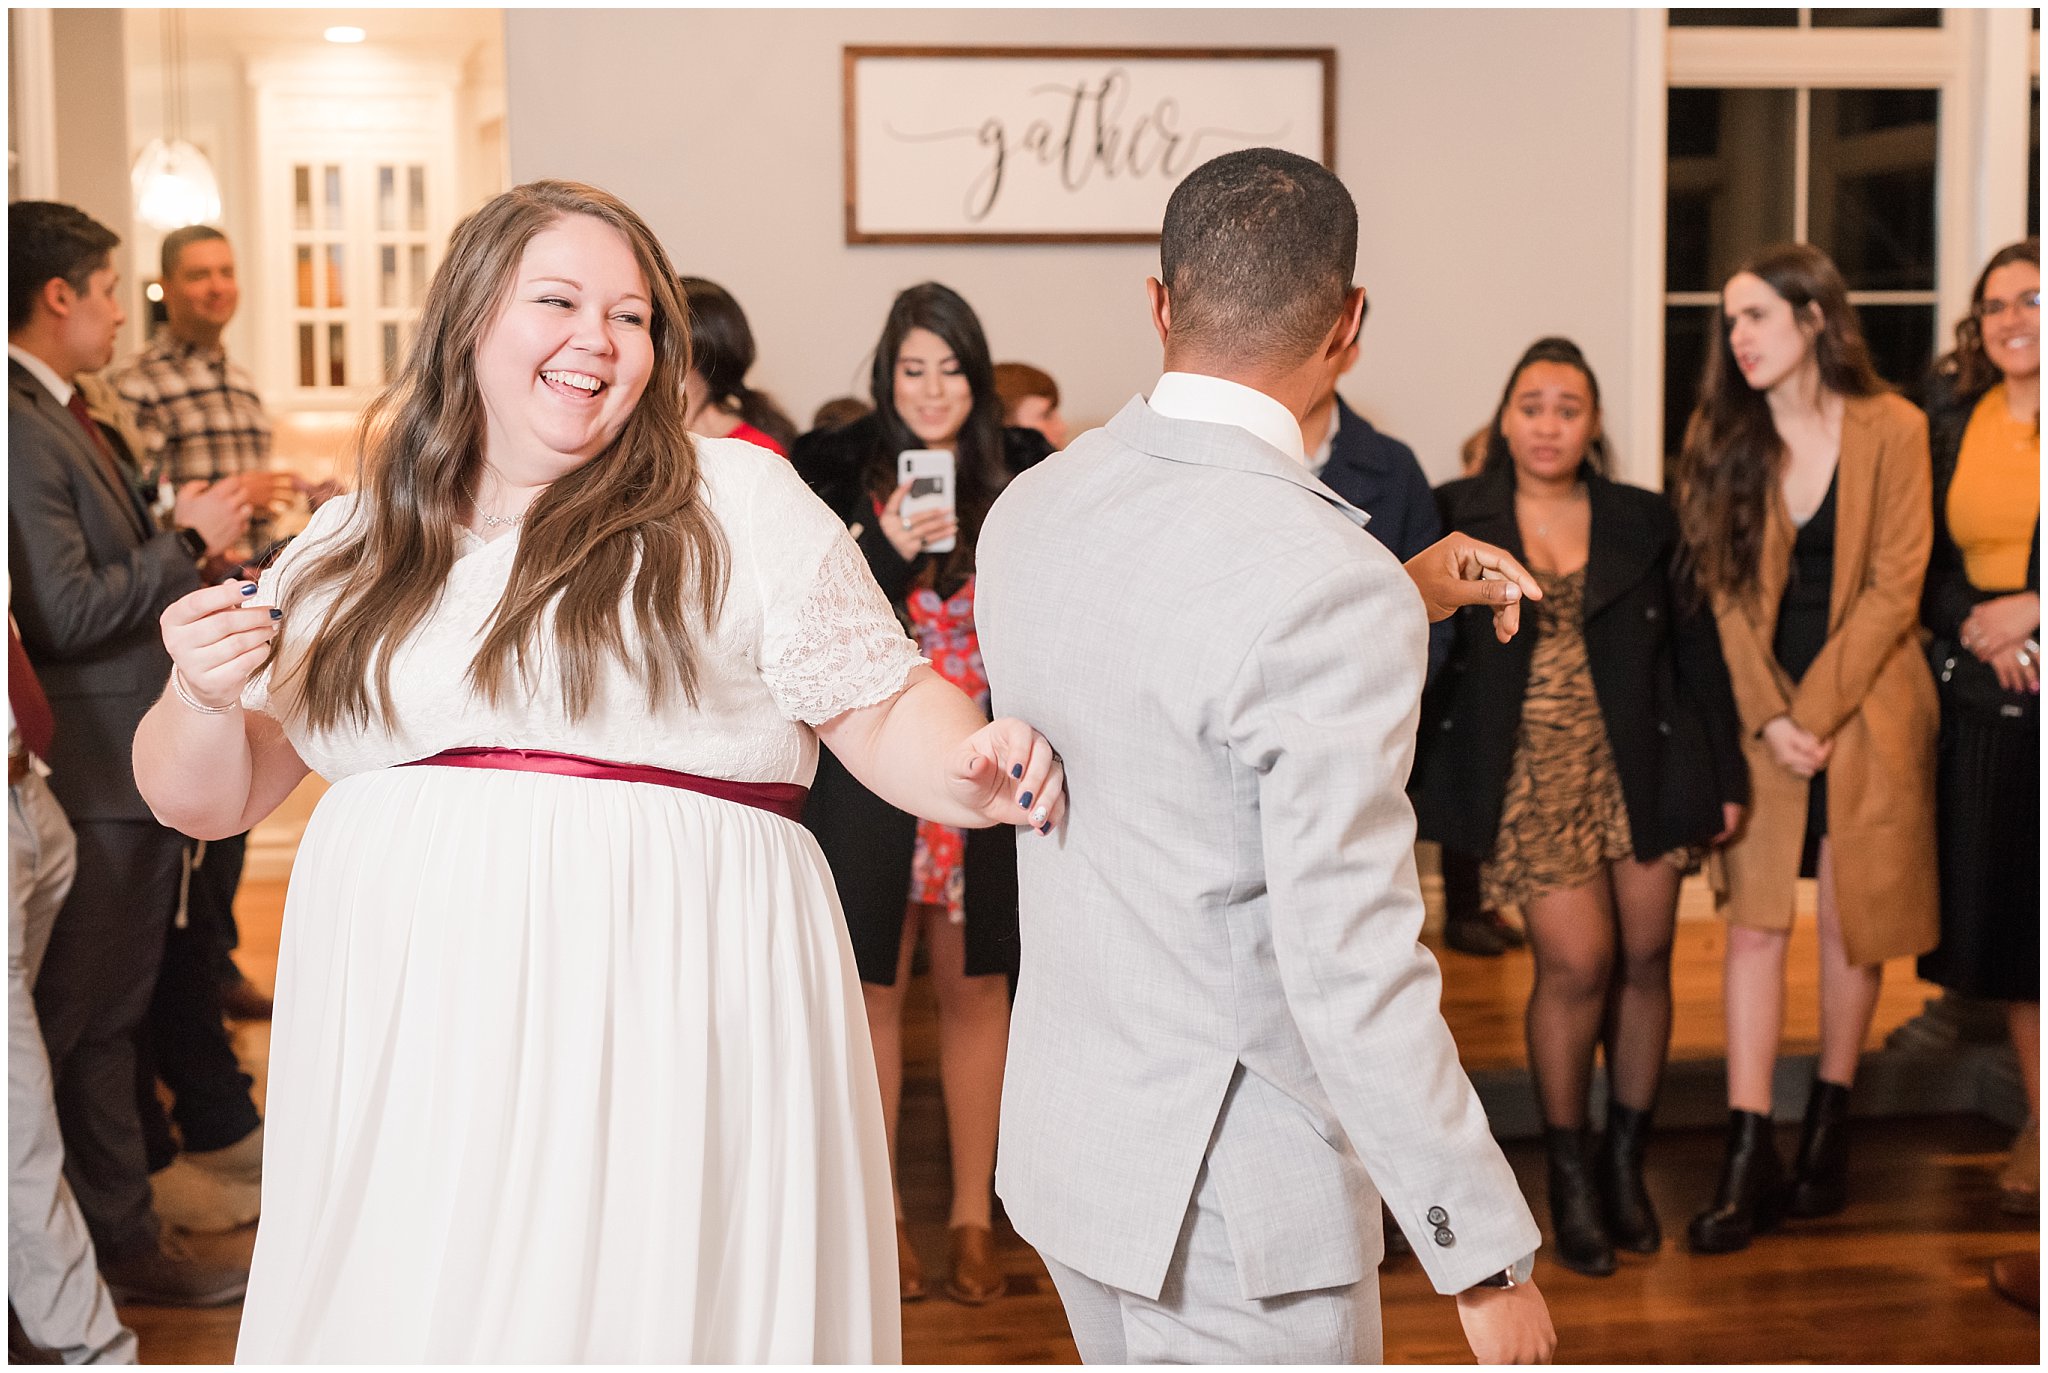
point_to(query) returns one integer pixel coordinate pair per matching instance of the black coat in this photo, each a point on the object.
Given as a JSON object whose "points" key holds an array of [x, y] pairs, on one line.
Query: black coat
{"points": [[868, 842], [1655, 657]]}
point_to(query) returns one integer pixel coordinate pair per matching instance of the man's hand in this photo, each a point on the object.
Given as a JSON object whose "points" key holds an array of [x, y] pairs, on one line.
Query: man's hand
{"points": [[1458, 570], [220, 512], [1507, 1324]]}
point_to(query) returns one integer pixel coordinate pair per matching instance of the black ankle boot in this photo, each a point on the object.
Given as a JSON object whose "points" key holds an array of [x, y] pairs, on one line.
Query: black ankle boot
{"points": [[1630, 1219], [1575, 1223], [1747, 1202], [1820, 1170]]}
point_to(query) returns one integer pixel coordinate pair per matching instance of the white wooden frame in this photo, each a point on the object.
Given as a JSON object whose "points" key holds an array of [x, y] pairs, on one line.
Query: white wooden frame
{"points": [[1984, 63]]}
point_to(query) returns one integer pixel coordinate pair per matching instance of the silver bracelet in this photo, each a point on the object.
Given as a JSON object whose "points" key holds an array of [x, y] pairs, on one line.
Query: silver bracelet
{"points": [[178, 685]]}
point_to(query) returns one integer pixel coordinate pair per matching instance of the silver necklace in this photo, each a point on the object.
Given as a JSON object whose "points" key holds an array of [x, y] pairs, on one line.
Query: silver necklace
{"points": [[504, 521]]}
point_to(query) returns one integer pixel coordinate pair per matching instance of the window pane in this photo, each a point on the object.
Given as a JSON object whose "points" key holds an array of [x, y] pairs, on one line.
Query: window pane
{"points": [[387, 277], [302, 197], [308, 374], [1901, 341], [1734, 19], [416, 198], [333, 203], [1871, 194], [1876, 19], [387, 198], [336, 298], [337, 355], [390, 351], [305, 277], [1729, 181], [1688, 331], [417, 255]]}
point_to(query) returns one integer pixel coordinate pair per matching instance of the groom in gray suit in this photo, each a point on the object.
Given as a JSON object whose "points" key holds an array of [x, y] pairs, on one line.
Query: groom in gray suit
{"points": [[1227, 1045]]}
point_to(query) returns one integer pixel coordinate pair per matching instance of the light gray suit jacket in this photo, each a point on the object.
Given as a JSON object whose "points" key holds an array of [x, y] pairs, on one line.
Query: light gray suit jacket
{"points": [[1219, 947]]}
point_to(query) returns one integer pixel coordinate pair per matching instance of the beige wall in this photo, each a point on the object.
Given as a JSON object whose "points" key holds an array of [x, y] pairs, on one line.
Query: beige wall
{"points": [[1494, 190]]}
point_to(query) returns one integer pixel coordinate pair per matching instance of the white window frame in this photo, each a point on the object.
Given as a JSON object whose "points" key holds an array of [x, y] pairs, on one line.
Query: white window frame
{"points": [[306, 112], [1985, 65]]}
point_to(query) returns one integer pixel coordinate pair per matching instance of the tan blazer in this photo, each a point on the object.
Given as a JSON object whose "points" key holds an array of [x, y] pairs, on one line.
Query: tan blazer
{"points": [[1869, 690]]}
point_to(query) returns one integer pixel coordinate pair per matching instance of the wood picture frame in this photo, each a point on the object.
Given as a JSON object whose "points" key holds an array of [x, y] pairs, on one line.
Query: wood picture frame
{"points": [[1060, 144]]}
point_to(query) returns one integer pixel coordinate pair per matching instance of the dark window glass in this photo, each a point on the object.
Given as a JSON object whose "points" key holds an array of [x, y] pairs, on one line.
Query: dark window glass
{"points": [[2034, 160], [1871, 196], [1734, 19], [1688, 332], [1901, 342], [1876, 19], [1728, 181]]}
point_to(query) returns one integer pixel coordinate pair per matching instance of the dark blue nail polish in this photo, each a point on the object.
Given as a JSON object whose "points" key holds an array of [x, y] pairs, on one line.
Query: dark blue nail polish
{"points": [[1025, 800], [1016, 769], [276, 614], [248, 588], [1045, 828]]}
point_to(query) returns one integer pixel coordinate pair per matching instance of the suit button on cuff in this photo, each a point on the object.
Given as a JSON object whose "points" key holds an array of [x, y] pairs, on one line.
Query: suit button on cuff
{"points": [[1444, 1238], [1437, 1215]]}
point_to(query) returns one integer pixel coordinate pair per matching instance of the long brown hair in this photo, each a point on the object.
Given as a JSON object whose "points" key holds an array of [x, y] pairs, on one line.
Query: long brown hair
{"points": [[1971, 368], [1733, 458], [632, 517]]}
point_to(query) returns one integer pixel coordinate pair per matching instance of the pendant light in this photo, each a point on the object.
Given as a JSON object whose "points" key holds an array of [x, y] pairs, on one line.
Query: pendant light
{"points": [[173, 182]]}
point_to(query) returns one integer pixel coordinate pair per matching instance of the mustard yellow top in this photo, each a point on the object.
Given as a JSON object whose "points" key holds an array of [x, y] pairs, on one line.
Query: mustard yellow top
{"points": [[1995, 499]]}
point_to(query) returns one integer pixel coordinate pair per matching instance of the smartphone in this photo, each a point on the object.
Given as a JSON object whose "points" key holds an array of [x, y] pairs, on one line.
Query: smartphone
{"points": [[930, 474]]}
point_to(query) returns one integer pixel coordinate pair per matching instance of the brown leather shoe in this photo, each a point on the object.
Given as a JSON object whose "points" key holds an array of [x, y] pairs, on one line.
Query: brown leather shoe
{"points": [[169, 1274], [975, 1279], [240, 1000], [909, 1272]]}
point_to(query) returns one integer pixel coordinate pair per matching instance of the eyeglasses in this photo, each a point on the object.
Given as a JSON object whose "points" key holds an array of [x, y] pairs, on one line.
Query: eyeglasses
{"points": [[1992, 309]]}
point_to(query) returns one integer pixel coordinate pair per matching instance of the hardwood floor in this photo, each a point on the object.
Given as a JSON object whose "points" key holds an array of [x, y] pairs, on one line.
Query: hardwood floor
{"points": [[1897, 1278]]}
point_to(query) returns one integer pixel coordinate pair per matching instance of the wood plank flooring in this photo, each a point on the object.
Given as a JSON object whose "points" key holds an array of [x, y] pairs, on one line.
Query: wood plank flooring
{"points": [[1897, 1278]]}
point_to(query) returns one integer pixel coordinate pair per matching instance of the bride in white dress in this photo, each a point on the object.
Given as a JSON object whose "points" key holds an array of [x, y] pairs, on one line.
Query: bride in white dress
{"points": [[569, 1060]]}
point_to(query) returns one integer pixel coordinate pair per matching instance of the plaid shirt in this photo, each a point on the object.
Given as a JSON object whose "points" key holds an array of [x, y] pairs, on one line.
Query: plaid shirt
{"points": [[197, 410]]}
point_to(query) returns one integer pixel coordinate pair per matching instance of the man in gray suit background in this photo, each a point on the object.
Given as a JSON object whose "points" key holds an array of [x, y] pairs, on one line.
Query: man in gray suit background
{"points": [[1227, 1042], [90, 573]]}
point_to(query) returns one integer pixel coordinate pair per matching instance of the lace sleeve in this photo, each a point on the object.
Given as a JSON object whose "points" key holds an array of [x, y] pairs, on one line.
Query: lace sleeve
{"points": [[838, 648]]}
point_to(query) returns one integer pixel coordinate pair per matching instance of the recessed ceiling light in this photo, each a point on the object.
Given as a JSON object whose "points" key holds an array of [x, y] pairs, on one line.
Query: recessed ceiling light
{"points": [[155, 290], [346, 33]]}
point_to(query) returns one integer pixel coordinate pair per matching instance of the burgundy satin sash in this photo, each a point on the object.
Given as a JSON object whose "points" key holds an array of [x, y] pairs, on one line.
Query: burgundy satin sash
{"points": [[785, 799]]}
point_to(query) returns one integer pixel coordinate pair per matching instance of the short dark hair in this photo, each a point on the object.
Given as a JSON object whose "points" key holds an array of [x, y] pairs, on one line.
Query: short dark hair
{"points": [[46, 241], [177, 240], [1256, 253]]}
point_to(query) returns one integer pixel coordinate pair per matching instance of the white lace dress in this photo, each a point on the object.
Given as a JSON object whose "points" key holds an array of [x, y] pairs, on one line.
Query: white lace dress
{"points": [[571, 1069]]}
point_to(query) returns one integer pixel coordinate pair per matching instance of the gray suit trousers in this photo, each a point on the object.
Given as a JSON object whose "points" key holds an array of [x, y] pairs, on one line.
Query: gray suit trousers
{"points": [[1202, 1316], [53, 1277]]}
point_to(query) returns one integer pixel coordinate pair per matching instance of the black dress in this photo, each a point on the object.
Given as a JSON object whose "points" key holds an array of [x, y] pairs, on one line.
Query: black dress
{"points": [[1802, 632], [868, 843]]}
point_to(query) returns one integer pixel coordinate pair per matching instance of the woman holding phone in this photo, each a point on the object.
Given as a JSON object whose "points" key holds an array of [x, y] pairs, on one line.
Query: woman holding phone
{"points": [[902, 879]]}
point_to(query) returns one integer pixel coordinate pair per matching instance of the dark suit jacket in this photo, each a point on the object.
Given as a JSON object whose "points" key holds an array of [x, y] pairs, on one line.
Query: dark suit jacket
{"points": [[1655, 657], [868, 842], [1380, 475], [90, 573]]}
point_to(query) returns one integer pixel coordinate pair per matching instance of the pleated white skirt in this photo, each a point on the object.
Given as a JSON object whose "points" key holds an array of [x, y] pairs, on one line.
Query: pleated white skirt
{"points": [[567, 1070]]}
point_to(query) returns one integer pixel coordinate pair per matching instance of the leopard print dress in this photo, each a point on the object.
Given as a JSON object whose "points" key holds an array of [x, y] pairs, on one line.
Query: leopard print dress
{"points": [[1563, 818]]}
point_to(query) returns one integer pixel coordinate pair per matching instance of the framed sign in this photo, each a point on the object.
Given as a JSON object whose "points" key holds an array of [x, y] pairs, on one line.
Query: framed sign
{"points": [[1061, 145]]}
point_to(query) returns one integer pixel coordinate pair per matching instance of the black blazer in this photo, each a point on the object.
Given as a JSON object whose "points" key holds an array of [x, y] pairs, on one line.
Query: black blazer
{"points": [[1655, 656], [868, 842], [1379, 474], [90, 573], [1950, 596]]}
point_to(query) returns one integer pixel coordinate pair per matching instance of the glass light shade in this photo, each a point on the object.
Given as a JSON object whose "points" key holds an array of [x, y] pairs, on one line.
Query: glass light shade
{"points": [[174, 185]]}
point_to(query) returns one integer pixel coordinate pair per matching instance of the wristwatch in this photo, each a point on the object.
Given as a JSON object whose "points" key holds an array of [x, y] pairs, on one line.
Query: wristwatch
{"points": [[194, 541], [1515, 1274]]}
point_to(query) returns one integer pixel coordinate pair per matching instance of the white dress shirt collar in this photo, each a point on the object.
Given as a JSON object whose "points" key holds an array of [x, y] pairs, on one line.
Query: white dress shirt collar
{"points": [[42, 372], [1212, 400]]}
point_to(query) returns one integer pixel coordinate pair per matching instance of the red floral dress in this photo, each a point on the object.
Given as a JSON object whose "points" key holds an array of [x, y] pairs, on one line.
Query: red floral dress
{"points": [[945, 632]]}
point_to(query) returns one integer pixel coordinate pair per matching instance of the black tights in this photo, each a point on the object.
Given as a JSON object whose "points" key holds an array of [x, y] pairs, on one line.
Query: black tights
{"points": [[1603, 976]]}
